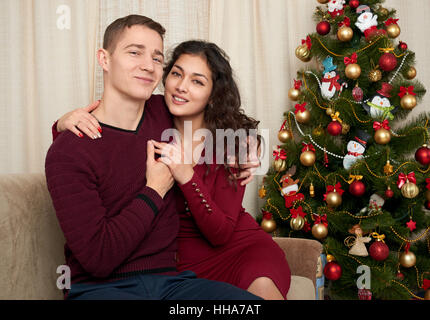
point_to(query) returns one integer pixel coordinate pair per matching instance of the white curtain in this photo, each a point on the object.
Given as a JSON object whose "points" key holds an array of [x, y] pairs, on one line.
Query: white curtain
{"points": [[48, 66], [45, 70]]}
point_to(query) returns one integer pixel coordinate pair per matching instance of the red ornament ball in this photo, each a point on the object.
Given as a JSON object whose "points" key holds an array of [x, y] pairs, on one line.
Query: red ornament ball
{"points": [[403, 46], [354, 4], [400, 276], [379, 251], [427, 205], [332, 271], [387, 61], [422, 155], [389, 193], [364, 294], [357, 94], [357, 188], [334, 128], [323, 28]]}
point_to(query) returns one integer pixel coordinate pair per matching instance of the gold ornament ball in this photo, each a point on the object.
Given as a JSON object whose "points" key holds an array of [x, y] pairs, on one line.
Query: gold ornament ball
{"points": [[427, 195], [268, 225], [407, 259], [329, 111], [408, 102], [285, 135], [345, 128], [383, 11], [323, 1], [353, 71], [279, 165], [427, 295], [393, 30], [307, 158], [294, 94], [330, 258], [345, 34], [318, 131], [303, 53], [319, 231], [297, 223], [410, 190], [375, 75], [410, 73], [382, 136], [303, 117], [333, 199]]}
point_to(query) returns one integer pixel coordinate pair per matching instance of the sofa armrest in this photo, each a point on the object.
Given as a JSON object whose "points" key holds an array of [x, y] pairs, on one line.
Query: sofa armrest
{"points": [[302, 255]]}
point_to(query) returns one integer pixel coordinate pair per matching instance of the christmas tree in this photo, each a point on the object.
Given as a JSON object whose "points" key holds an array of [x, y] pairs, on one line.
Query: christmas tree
{"points": [[349, 171]]}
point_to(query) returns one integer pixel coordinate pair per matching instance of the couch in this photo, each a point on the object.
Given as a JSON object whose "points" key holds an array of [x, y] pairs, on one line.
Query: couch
{"points": [[31, 245]]}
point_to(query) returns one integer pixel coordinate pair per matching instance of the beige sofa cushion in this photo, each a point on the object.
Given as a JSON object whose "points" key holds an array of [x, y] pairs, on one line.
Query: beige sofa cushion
{"points": [[301, 288], [31, 241]]}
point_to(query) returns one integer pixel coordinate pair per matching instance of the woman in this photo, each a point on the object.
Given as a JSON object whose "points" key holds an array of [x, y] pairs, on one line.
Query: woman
{"points": [[217, 240]]}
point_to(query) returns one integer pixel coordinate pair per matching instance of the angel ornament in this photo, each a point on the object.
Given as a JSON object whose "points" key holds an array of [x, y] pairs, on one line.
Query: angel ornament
{"points": [[357, 242]]}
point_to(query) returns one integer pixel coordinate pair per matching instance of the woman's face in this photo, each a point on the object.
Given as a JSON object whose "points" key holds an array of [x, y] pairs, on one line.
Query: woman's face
{"points": [[188, 86]]}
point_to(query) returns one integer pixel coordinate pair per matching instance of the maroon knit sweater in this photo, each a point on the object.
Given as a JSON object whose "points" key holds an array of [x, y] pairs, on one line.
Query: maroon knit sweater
{"points": [[113, 224]]}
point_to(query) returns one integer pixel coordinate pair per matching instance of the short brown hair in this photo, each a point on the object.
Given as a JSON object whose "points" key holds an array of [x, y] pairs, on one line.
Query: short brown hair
{"points": [[114, 30]]}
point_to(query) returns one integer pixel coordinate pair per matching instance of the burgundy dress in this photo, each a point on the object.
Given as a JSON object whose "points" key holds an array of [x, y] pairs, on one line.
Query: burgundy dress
{"points": [[218, 240]]}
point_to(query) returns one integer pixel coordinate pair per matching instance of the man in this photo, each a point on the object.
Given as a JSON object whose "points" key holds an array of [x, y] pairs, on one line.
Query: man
{"points": [[113, 199]]}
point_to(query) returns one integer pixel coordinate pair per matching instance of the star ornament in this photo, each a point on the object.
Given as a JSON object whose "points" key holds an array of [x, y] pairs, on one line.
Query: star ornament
{"points": [[412, 225]]}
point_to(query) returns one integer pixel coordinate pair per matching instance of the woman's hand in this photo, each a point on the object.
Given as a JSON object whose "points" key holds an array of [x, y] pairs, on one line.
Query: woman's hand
{"points": [[173, 156], [81, 120]]}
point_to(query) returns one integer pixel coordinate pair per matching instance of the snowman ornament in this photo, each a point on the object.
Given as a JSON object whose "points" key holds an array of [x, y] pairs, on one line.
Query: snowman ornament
{"points": [[366, 20], [330, 82], [335, 7], [379, 106], [355, 150]]}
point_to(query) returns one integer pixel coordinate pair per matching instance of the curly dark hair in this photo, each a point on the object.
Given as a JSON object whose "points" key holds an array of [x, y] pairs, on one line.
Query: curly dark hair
{"points": [[224, 105]]}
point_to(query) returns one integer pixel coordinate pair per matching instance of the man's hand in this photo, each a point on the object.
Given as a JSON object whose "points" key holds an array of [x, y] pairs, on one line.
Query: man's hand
{"points": [[158, 175]]}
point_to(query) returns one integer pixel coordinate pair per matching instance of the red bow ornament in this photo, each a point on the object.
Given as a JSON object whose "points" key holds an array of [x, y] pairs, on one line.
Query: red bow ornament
{"points": [[403, 178], [266, 215], [308, 42], [408, 90], [308, 147], [391, 21], [297, 84], [280, 154], [297, 212], [378, 125], [336, 188], [346, 22], [428, 183], [321, 219], [351, 60], [300, 107]]}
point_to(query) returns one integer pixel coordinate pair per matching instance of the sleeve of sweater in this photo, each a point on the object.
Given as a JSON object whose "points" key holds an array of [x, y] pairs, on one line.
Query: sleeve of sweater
{"points": [[99, 243], [54, 131], [215, 211]]}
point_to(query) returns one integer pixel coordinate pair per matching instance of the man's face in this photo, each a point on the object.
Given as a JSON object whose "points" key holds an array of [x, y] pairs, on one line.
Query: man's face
{"points": [[135, 67]]}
